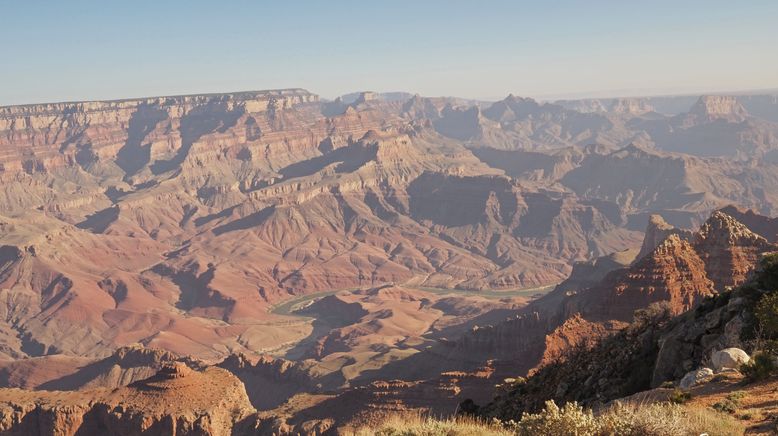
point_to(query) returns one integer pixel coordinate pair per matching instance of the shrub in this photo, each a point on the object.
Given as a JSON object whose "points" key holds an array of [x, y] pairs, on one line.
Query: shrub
{"points": [[725, 406], [766, 312], [417, 425], [570, 419], [658, 419], [760, 367], [661, 419], [653, 314], [731, 403], [768, 272], [680, 396], [668, 384]]}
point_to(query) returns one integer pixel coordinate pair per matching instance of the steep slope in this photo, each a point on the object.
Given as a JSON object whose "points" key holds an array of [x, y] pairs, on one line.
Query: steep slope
{"points": [[656, 348], [676, 272]]}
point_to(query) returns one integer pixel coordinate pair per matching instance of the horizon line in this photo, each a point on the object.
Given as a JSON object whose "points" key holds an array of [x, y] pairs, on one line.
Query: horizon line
{"points": [[593, 95]]}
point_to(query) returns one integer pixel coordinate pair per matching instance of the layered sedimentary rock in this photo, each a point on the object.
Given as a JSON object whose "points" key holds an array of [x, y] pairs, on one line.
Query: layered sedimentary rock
{"points": [[719, 106], [220, 206], [309, 414], [59, 372], [678, 272], [657, 231], [763, 226], [729, 250], [177, 400], [189, 224]]}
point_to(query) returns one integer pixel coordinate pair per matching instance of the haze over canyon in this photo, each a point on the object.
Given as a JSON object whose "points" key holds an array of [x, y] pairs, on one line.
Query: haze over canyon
{"points": [[274, 262]]}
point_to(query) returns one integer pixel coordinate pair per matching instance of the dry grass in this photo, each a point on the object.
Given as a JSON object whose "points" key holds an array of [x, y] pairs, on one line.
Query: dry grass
{"points": [[419, 425], [657, 419], [660, 419]]}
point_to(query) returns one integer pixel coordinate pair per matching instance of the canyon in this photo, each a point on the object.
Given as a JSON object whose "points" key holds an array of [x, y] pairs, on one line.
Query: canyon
{"points": [[316, 263]]}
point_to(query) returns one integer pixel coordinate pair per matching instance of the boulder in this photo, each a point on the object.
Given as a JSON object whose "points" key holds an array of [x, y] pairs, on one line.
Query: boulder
{"points": [[693, 378], [729, 358]]}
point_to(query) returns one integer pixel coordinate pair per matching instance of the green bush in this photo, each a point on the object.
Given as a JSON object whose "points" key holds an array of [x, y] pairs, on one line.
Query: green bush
{"points": [[726, 406], [759, 368], [731, 403], [679, 396], [766, 312], [768, 274]]}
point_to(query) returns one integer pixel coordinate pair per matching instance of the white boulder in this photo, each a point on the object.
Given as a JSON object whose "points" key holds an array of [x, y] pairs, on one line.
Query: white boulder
{"points": [[729, 358], [693, 378]]}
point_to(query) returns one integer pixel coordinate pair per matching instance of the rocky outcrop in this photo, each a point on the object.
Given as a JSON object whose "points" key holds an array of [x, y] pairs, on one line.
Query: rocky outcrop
{"points": [[673, 272], [677, 273], [632, 106], [763, 226], [656, 348], [309, 414], [657, 231], [696, 377], [729, 358], [729, 249], [125, 366], [269, 382], [177, 400], [719, 106]]}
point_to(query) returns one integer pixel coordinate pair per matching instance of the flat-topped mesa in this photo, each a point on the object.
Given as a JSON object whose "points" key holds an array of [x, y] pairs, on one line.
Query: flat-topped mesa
{"points": [[719, 106], [254, 101], [636, 106], [366, 96], [141, 138]]}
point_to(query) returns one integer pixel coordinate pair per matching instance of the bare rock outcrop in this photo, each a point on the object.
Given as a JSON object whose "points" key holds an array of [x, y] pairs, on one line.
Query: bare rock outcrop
{"points": [[657, 231], [729, 249], [719, 106], [177, 400]]}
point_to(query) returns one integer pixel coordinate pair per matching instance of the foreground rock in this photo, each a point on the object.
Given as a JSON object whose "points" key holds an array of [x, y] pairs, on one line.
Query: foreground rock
{"points": [[696, 377], [729, 358], [177, 400]]}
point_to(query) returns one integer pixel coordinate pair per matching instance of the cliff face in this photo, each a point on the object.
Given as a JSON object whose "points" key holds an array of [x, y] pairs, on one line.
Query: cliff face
{"points": [[317, 414], [763, 226], [657, 231], [676, 272], [634, 106], [672, 272], [657, 347], [719, 106], [729, 249], [177, 400], [41, 138]]}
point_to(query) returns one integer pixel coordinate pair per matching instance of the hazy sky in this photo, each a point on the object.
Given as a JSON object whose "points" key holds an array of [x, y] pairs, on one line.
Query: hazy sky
{"points": [[78, 50]]}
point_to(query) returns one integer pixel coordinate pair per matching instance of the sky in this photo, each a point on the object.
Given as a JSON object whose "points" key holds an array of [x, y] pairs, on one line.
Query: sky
{"points": [[89, 50]]}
